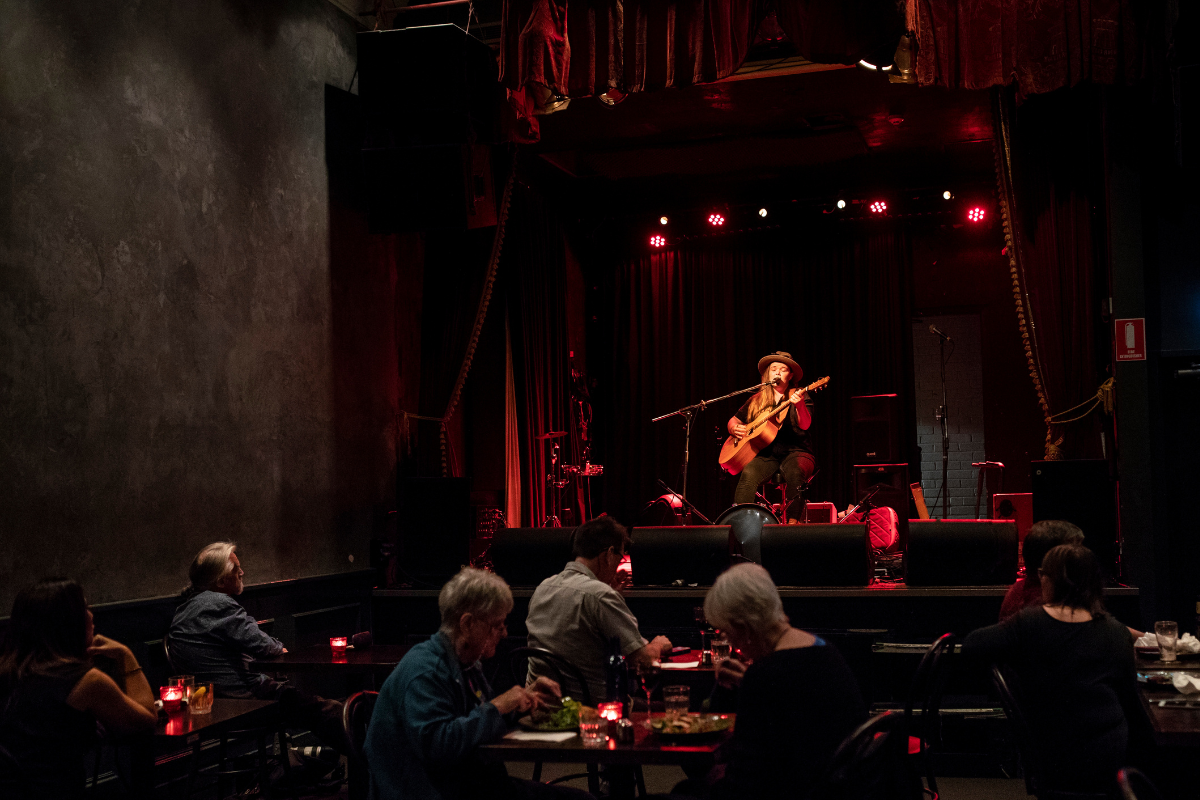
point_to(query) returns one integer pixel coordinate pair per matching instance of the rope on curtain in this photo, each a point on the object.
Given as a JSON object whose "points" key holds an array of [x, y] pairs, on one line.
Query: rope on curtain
{"points": [[1103, 398], [449, 460], [1004, 179]]}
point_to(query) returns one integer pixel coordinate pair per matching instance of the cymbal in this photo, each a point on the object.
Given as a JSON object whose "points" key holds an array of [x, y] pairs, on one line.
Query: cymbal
{"points": [[551, 435]]}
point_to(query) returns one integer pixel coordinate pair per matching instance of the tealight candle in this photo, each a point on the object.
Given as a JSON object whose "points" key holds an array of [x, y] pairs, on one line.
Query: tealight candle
{"points": [[338, 645], [172, 697], [610, 711]]}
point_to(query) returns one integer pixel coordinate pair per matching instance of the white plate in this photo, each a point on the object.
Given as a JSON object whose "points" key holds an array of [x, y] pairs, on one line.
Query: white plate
{"points": [[681, 665]]}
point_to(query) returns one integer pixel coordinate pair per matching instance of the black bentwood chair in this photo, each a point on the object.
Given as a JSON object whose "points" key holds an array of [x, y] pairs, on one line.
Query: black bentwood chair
{"points": [[925, 695], [356, 718], [869, 764], [1135, 785]]}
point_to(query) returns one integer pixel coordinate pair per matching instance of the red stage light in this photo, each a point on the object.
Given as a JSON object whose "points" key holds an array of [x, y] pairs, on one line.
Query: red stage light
{"points": [[976, 214], [716, 219], [657, 241], [878, 207]]}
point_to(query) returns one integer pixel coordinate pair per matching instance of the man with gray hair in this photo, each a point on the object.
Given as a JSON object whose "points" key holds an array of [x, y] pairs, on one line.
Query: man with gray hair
{"points": [[214, 638]]}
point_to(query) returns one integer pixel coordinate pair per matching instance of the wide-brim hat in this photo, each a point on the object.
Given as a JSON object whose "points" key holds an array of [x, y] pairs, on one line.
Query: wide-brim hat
{"points": [[782, 358]]}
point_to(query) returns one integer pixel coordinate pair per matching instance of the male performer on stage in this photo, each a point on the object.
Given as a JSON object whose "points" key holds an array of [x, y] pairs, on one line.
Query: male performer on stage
{"points": [[792, 451]]}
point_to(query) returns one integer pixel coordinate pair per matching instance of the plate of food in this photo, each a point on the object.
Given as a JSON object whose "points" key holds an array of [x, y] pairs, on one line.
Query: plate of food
{"points": [[690, 726], [1157, 677], [565, 718]]}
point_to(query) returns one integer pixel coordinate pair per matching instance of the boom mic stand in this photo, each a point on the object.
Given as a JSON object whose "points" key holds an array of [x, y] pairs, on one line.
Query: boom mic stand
{"points": [[688, 508], [689, 413]]}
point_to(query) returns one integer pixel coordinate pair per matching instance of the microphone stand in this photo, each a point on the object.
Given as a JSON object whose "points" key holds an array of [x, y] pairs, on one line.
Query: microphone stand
{"points": [[689, 413], [688, 508], [943, 416]]}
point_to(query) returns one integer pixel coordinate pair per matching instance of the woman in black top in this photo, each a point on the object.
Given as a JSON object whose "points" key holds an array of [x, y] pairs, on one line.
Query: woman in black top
{"points": [[51, 696], [795, 703], [1075, 674]]}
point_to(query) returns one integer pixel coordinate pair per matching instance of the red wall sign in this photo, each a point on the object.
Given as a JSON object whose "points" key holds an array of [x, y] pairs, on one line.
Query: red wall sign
{"points": [[1130, 341]]}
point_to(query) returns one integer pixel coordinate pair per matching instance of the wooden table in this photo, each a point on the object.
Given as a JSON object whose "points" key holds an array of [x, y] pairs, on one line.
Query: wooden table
{"points": [[319, 658], [1173, 726]]}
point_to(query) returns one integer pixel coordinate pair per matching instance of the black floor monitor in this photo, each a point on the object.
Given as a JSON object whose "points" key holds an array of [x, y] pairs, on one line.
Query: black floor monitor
{"points": [[961, 552], [816, 554], [692, 554]]}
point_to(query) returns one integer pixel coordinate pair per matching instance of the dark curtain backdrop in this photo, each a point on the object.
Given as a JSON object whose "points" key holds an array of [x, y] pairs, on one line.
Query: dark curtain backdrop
{"points": [[691, 324]]}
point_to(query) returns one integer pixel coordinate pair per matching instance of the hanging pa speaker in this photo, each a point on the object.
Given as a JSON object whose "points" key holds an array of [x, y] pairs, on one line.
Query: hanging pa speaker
{"points": [[434, 524], [875, 429], [1080, 491], [961, 552], [837, 554], [527, 556]]}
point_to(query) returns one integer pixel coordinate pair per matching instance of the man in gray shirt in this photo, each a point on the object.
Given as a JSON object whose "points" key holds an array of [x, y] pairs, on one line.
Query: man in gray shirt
{"points": [[578, 612]]}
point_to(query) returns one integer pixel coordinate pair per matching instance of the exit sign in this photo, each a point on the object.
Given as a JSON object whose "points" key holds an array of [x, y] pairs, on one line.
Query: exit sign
{"points": [[1130, 339]]}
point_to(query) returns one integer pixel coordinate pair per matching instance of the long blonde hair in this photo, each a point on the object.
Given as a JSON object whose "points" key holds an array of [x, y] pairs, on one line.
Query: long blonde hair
{"points": [[765, 397]]}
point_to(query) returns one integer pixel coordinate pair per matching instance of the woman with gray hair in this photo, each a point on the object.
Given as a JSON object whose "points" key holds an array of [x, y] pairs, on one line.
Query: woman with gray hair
{"points": [[796, 698], [437, 708]]}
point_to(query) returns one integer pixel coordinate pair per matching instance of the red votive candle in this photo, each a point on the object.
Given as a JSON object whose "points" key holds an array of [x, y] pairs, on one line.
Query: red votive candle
{"points": [[172, 697], [610, 711], [338, 645]]}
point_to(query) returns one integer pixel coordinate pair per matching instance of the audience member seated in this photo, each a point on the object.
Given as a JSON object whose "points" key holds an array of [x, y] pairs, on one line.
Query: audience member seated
{"points": [[1075, 674], [52, 694], [577, 613], [437, 708], [1042, 537], [215, 639], [796, 701]]}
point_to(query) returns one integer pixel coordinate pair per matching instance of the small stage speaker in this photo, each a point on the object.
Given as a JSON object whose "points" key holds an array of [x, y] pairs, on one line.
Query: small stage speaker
{"points": [[875, 429], [961, 552], [1016, 507], [1080, 491], [434, 523], [892, 480], [817, 555], [680, 555], [527, 556]]}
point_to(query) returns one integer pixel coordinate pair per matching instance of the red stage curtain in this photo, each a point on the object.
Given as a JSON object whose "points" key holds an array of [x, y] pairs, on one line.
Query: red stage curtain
{"points": [[691, 323], [1043, 46]]}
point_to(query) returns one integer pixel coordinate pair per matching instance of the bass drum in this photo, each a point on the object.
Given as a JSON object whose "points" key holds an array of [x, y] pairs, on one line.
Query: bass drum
{"points": [[662, 512], [745, 523]]}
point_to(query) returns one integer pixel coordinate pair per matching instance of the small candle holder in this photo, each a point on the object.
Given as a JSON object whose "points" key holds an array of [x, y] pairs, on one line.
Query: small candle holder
{"points": [[338, 645], [611, 711], [172, 697]]}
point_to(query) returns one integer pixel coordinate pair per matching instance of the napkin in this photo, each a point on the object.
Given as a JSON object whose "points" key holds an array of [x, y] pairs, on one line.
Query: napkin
{"points": [[680, 665], [1185, 683], [1186, 644], [539, 736]]}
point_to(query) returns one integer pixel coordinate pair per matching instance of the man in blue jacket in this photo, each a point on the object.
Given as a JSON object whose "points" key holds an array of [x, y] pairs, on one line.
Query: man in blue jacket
{"points": [[436, 708]]}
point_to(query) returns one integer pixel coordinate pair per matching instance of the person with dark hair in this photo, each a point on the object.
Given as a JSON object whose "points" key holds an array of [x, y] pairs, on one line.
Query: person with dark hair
{"points": [[577, 613], [1043, 536], [52, 694], [1074, 666], [214, 638]]}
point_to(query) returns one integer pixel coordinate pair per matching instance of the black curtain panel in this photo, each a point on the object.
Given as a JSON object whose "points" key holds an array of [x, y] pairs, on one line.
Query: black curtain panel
{"points": [[691, 323]]}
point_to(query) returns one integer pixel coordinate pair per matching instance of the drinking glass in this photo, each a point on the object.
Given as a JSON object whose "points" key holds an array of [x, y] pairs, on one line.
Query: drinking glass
{"points": [[1167, 634], [720, 648], [592, 730], [186, 681], [677, 700], [202, 698], [648, 673]]}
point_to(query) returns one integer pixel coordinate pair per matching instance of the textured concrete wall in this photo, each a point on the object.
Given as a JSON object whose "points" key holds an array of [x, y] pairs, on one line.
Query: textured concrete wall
{"points": [[165, 308]]}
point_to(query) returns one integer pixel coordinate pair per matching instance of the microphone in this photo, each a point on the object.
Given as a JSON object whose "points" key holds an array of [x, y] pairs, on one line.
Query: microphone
{"points": [[933, 329]]}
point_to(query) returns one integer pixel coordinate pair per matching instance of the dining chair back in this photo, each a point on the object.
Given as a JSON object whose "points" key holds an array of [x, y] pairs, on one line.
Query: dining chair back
{"points": [[869, 763], [559, 667], [356, 718], [922, 711], [1134, 785]]}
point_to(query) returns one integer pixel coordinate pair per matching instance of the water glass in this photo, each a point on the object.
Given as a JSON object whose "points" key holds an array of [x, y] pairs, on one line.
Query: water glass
{"points": [[186, 681], [720, 648], [592, 730], [677, 700], [1167, 634], [202, 698]]}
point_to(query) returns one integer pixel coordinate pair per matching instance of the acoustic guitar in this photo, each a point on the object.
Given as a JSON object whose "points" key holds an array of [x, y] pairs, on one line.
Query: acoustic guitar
{"points": [[737, 452]]}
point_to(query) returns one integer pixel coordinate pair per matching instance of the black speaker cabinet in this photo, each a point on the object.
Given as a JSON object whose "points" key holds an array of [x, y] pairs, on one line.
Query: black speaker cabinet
{"points": [[687, 554], [434, 523], [875, 429], [893, 491], [830, 554], [1080, 491], [527, 556], [961, 552]]}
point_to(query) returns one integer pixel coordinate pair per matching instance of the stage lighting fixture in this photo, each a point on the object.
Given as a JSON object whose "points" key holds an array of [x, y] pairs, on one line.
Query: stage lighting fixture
{"points": [[841, 203], [716, 220], [657, 241], [946, 195], [762, 212], [662, 220], [878, 207], [976, 214]]}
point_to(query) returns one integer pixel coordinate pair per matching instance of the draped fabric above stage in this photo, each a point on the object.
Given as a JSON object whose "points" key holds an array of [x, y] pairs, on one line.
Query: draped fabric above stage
{"points": [[691, 323]]}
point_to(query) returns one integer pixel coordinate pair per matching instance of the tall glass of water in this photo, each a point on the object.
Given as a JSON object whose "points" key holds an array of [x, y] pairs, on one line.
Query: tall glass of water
{"points": [[1167, 634]]}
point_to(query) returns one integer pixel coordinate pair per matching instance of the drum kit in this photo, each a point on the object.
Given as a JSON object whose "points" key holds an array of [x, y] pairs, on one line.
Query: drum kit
{"points": [[560, 477]]}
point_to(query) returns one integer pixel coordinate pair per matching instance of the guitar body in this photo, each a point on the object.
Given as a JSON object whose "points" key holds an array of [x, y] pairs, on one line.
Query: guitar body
{"points": [[737, 453]]}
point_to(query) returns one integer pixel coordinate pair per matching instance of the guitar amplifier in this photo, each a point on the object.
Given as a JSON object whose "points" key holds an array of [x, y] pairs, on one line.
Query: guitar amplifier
{"points": [[820, 512]]}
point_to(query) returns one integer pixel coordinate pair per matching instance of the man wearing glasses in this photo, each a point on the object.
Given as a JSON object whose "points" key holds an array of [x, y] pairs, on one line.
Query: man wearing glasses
{"points": [[578, 612]]}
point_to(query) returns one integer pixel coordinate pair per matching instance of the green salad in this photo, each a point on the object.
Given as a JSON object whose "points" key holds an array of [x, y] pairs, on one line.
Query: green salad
{"points": [[564, 718]]}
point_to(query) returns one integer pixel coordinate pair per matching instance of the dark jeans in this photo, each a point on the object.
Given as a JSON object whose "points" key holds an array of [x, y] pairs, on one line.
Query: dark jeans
{"points": [[797, 467], [303, 710]]}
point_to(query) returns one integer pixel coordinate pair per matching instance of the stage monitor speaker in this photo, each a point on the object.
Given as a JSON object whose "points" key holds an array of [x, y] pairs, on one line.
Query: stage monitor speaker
{"points": [[1080, 491], [836, 554], [961, 552], [434, 523], [527, 556], [875, 429], [682, 555], [892, 480]]}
